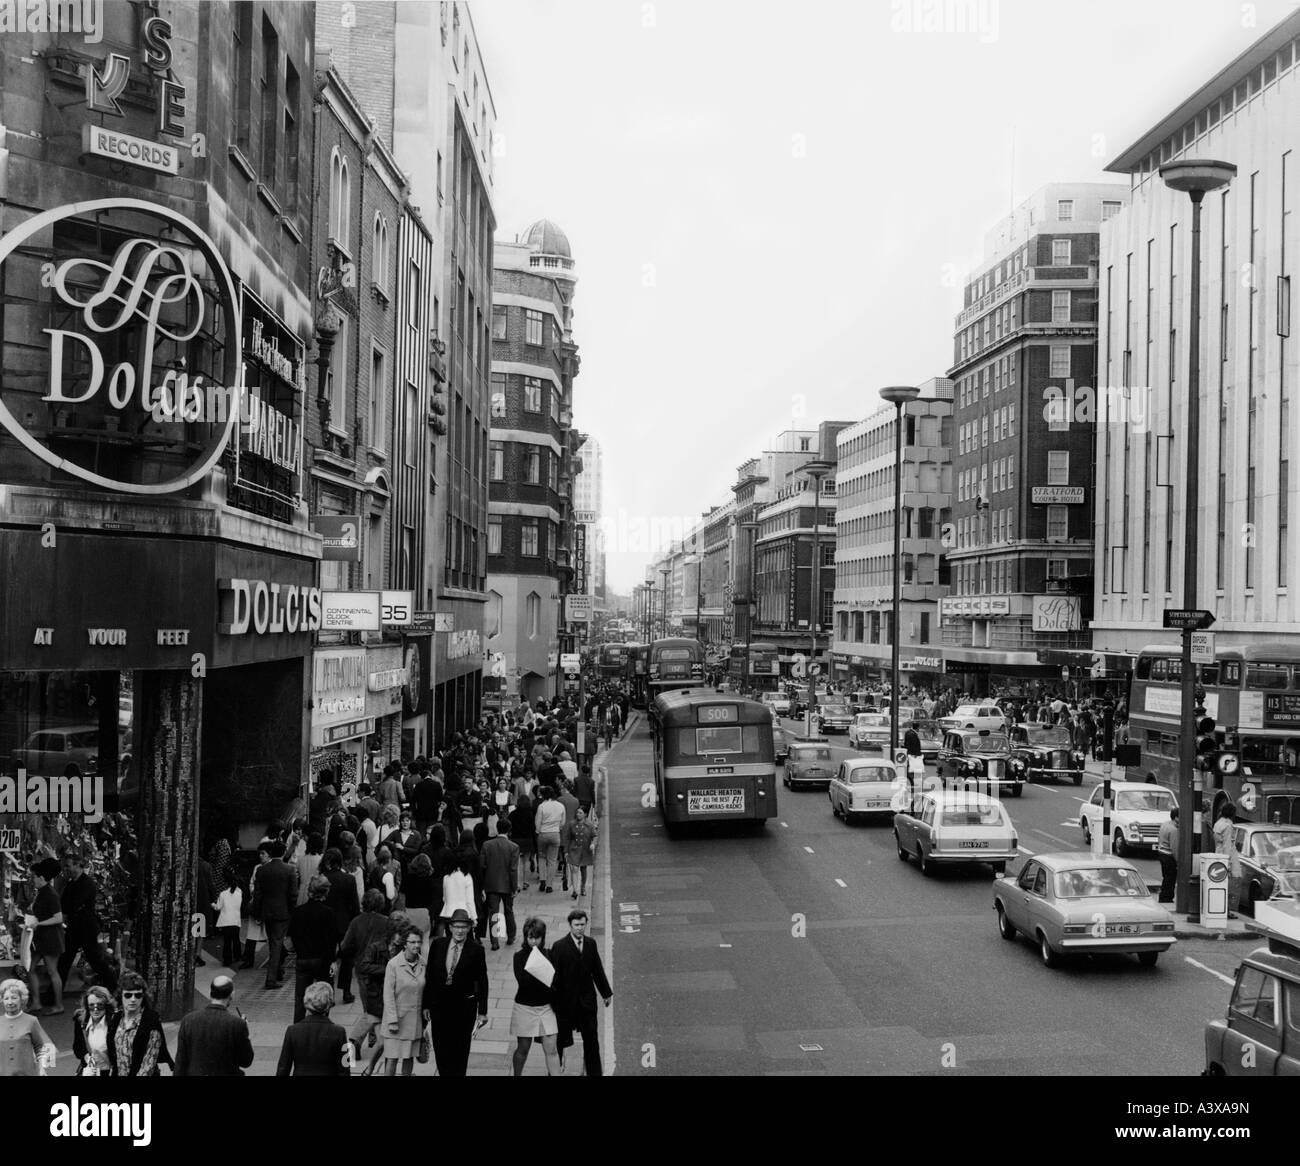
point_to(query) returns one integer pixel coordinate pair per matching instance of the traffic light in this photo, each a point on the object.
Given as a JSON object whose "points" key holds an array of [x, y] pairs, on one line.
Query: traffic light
{"points": [[1207, 744]]}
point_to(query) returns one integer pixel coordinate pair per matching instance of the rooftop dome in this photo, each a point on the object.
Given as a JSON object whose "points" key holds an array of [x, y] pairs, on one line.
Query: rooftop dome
{"points": [[547, 238]]}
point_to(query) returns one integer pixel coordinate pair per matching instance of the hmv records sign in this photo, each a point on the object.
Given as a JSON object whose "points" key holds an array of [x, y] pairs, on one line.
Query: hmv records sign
{"points": [[121, 346]]}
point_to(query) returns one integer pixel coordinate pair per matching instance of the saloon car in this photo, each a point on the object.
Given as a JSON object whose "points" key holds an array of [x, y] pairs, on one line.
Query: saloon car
{"points": [[1074, 902], [1260, 1036], [955, 827], [931, 738], [809, 763], [833, 717], [977, 759], [1259, 844], [48, 752], [778, 702], [864, 786], [780, 743], [1138, 812], [1045, 753], [975, 716], [870, 731]]}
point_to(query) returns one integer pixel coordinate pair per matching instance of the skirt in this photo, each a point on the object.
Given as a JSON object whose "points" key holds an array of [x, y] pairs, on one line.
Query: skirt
{"points": [[47, 941], [396, 1049], [533, 1020]]}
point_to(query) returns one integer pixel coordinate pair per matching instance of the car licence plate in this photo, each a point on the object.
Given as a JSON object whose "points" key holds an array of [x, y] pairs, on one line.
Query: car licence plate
{"points": [[968, 845], [715, 801], [1122, 929]]}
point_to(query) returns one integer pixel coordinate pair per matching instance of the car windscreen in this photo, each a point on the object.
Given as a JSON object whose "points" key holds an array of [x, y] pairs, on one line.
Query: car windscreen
{"points": [[983, 813], [1098, 882], [927, 729], [990, 744], [874, 722], [875, 773], [835, 710], [1132, 800], [806, 754], [1266, 843], [1049, 738]]}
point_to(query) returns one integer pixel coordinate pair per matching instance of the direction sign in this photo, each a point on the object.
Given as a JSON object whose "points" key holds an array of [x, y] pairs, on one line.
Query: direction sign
{"points": [[577, 608], [814, 669], [1187, 617], [569, 661], [1202, 647]]}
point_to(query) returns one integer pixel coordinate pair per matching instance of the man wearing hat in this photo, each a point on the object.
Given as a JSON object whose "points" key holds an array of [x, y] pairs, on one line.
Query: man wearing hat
{"points": [[455, 994]]}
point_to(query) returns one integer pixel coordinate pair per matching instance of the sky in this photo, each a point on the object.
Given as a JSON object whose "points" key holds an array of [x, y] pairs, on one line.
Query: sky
{"points": [[772, 206]]}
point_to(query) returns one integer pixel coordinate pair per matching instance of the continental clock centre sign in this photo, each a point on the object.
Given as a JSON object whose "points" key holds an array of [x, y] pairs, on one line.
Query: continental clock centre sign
{"points": [[125, 303]]}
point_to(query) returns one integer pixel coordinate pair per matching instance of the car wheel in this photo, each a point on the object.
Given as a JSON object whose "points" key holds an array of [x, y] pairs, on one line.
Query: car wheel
{"points": [[999, 868], [1148, 958], [786, 778], [1006, 928], [927, 867], [902, 854], [1118, 846], [1047, 953], [1087, 833], [848, 817]]}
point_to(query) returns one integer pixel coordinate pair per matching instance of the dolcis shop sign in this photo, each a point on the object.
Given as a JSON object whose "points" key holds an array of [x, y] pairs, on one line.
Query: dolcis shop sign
{"points": [[157, 289]]}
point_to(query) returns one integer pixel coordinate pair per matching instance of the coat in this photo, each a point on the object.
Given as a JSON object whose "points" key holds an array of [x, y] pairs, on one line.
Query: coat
{"points": [[213, 1042], [314, 1047], [150, 1023], [403, 998], [458, 891], [275, 891], [500, 866], [469, 983], [578, 977], [342, 899]]}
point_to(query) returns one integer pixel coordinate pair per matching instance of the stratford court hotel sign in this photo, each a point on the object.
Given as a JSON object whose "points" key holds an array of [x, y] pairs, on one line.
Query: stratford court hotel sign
{"points": [[133, 305]]}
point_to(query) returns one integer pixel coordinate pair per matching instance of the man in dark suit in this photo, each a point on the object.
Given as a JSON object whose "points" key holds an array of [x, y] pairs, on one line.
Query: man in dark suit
{"points": [[314, 935], [455, 990], [579, 975], [501, 880], [315, 1046], [213, 1041], [275, 891], [80, 917]]}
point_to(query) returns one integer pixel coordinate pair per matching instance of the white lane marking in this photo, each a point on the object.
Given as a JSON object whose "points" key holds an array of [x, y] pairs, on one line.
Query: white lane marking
{"points": [[1081, 801], [724, 945], [841, 882], [785, 825], [810, 850], [1051, 789], [1198, 964], [1071, 822], [1024, 850]]}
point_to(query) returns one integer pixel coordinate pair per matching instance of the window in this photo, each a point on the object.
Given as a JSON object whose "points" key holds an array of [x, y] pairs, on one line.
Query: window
{"points": [[241, 56], [533, 614], [1059, 360], [533, 467], [337, 377], [379, 392], [553, 472], [340, 199], [532, 395], [1060, 307], [1065, 209], [1058, 467], [1060, 252], [497, 470], [1058, 522], [1109, 210], [532, 327], [984, 432], [498, 322], [804, 444], [270, 113], [292, 112], [528, 541], [379, 253], [1255, 997], [494, 535]]}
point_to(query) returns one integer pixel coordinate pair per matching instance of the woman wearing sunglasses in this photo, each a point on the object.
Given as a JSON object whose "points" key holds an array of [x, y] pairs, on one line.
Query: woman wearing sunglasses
{"points": [[90, 1039], [136, 1044]]}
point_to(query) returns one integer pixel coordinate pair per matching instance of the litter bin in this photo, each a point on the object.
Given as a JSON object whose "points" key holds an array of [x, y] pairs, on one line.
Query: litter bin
{"points": [[1215, 873]]}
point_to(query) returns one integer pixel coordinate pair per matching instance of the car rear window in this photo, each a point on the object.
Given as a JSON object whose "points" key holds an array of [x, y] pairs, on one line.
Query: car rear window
{"points": [[1098, 882], [874, 774], [985, 814], [803, 753]]}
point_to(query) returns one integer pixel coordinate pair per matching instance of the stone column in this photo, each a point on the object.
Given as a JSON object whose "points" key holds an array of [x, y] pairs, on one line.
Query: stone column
{"points": [[169, 706]]}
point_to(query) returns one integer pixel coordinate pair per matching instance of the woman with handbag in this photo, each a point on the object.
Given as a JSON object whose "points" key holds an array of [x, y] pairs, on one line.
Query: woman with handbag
{"points": [[90, 1028], [136, 1042], [404, 1016]]}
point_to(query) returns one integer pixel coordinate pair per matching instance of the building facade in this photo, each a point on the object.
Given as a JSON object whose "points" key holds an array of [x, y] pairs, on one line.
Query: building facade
{"points": [[1025, 353], [588, 511], [534, 559], [864, 541], [1246, 115]]}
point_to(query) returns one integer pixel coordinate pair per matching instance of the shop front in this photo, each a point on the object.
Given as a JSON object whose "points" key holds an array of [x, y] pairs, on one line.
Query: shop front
{"points": [[385, 686], [417, 694], [458, 669], [340, 725]]}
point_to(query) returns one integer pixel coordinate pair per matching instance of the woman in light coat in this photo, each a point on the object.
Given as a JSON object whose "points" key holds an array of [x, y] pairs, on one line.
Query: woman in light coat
{"points": [[404, 1016], [458, 889]]}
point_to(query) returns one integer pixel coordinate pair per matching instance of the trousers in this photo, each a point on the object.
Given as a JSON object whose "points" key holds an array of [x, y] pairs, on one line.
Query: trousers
{"points": [[452, 1029], [1168, 876], [499, 901], [85, 938]]}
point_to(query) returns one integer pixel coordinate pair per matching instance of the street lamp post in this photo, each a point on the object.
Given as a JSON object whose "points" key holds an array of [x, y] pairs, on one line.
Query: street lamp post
{"points": [[665, 572], [898, 396], [750, 603], [816, 470], [1196, 179]]}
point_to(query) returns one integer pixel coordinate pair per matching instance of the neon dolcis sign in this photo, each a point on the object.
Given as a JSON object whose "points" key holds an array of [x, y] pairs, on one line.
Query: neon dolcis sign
{"points": [[128, 331]]}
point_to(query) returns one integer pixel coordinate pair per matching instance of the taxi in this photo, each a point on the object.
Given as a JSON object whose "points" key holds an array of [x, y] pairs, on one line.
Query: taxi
{"points": [[955, 828], [809, 763], [864, 786]]}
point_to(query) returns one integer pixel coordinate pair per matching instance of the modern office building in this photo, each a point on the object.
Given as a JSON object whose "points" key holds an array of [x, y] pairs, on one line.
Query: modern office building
{"points": [[588, 511]]}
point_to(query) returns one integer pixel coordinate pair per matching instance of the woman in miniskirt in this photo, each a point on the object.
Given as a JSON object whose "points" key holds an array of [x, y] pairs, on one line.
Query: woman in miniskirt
{"points": [[534, 1014]]}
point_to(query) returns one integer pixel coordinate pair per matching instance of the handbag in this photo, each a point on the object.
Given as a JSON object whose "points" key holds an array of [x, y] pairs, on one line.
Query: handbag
{"points": [[422, 1049]]}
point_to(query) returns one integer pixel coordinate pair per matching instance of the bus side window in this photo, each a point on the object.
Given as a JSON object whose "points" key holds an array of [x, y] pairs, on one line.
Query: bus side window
{"points": [[1143, 670], [1210, 675]]}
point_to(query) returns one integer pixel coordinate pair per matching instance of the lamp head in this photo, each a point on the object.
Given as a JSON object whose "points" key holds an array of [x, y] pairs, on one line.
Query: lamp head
{"points": [[1197, 176], [899, 394]]}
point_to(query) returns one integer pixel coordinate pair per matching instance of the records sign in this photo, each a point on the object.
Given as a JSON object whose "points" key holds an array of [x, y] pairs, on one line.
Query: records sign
{"points": [[122, 319], [580, 558]]}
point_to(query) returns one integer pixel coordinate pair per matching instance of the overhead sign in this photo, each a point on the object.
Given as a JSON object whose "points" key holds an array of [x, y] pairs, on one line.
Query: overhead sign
{"points": [[349, 611], [1202, 647], [396, 608], [974, 605], [1187, 617], [1057, 613], [121, 329], [119, 147], [1056, 495], [577, 608], [569, 661], [341, 535], [585, 517], [338, 684]]}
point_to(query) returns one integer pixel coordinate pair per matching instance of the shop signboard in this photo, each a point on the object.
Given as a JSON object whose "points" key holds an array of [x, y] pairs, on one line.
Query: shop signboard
{"points": [[341, 535], [338, 689], [350, 611], [577, 608], [396, 608], [1057, 613], [1056, 495]]}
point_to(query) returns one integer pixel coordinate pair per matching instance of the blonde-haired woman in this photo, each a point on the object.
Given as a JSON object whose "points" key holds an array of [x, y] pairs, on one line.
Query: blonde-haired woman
{"points": [[24, 1047], [91, 1036]]}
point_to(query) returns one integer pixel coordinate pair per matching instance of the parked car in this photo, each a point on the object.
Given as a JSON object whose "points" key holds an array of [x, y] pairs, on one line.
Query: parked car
{"points": [[977, 759], [778, 702], [1045, 753], [809, 763], [870, 731], [1263, 1017], [865, 786], [48, 752], [1075, 902], [1258, 843], [1138, 813], [833, 718], [975, 716], [780, 742], [955, 827]]}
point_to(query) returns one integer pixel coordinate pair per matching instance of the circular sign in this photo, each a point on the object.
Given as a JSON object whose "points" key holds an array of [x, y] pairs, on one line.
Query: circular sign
{"points": [[127, 332], [814, 669], [1216, 872]]}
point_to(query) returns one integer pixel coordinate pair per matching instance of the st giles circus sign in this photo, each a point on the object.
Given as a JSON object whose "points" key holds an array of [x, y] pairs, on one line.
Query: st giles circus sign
{"points": [[133, 305]]}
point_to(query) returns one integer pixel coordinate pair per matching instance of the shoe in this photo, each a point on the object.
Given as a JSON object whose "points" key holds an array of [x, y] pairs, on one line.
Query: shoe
{"points": [[496, 946], [575, 894], [510, 942], [524, 887], [348, 998]]}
